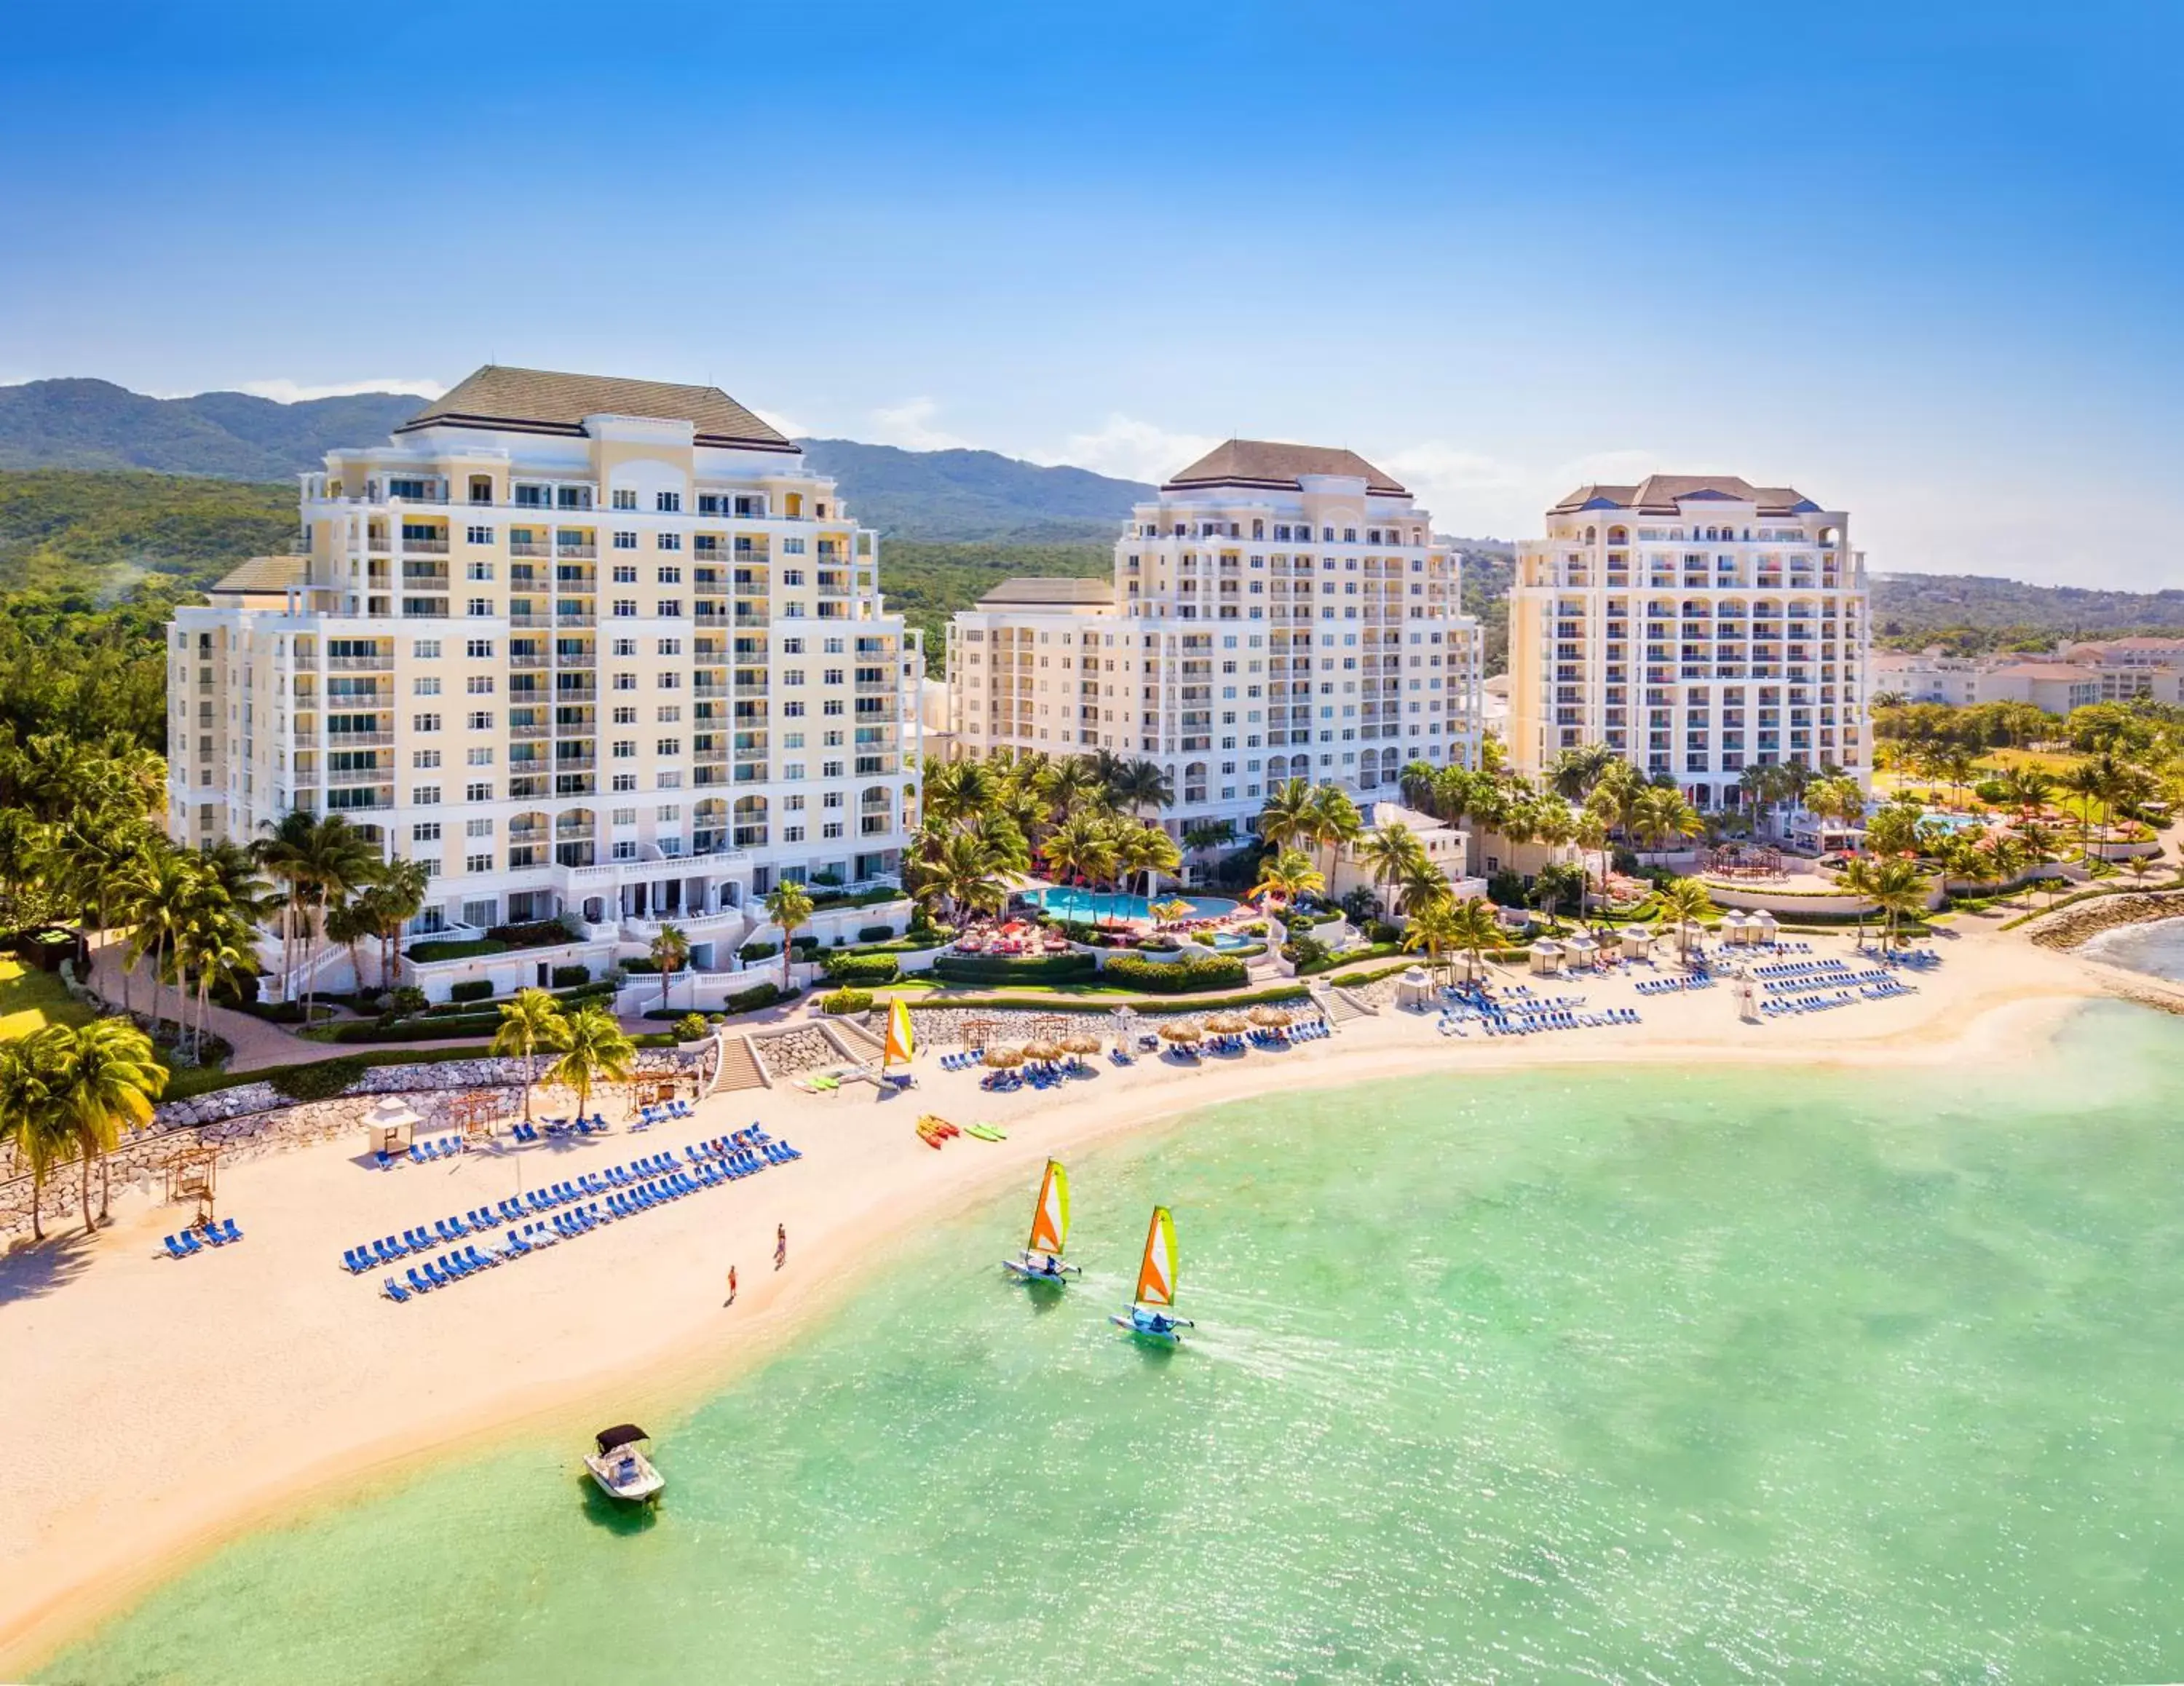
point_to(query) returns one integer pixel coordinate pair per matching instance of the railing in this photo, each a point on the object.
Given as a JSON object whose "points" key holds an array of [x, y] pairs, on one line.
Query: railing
{"points": [[356, 775], [529, 548], [425, 546], [358, 740], [360, 664], [576, 553]]}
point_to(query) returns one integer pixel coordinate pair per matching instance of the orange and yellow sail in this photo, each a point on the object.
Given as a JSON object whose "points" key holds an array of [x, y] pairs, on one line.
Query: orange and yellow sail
{"points": [[1157, 1273], [1049, 1218], [900, 1044]]}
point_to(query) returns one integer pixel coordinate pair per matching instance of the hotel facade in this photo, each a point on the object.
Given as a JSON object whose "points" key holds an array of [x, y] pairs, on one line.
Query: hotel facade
{"points": [[1278, 611], [592, 648], [1697, 624]]}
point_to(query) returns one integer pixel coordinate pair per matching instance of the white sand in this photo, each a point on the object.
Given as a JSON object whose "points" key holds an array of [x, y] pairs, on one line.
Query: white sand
{"points": [[153, 1408]]}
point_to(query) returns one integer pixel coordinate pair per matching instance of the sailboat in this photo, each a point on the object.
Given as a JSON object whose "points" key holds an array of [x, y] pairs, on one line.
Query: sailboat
{"points": [[1040, 1259], [1152, 1310]]}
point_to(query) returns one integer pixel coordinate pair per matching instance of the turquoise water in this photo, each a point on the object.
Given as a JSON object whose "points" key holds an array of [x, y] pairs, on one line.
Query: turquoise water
{"points": [[1644, 1375], [1092, 905], [2157, 947]]}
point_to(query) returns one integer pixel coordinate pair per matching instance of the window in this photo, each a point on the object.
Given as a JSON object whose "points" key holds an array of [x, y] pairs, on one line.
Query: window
{"points": [[668, 746], [624, 749], [472, 828], [792, 576], [668, 502], [426, 684], [668, 541], [671, 647], [625, 780], [626, 849], [625, 573], [424, 795], [479, 571], [793, 772], [794, 676], [424, 759], [668, 608], [832, 800], [425, 649], [668, 813], [477, 863], [425, 831], [478, 609], [625, 646], [479, 685], [625, 681], [624, 500], [796, 803], [625, 541], [833, 676], [671, 681], [670, 713], [424, 722], [479, 650], [625, 608], [481, 756], [792, 647], [624, 715], [832, 706], [478, 793], [832, 828], [481, 720], [792, 710], [625, 816], [478, 535], [792, 834]]}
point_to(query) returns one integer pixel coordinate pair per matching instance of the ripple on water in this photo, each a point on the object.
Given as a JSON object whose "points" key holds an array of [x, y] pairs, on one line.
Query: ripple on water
{"points": [[1636, 1377]]}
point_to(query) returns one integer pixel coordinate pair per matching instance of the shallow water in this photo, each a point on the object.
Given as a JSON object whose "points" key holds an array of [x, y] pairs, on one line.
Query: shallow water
{"points": [[2157, 947], [1634, 1376]]}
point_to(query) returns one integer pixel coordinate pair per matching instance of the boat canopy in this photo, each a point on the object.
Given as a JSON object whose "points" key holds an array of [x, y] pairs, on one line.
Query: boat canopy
{"points": [[623, 1435]]}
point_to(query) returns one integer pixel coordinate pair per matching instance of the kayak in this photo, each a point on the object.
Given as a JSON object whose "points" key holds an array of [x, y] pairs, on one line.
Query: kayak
{"points": [[986, 1132]]}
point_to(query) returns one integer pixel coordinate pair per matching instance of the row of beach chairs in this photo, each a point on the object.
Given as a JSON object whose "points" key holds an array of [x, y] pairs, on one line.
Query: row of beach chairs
{"points": [[1670, 986], [661, 1112], [1833, 978], [188, 1245], [713, 1165]]}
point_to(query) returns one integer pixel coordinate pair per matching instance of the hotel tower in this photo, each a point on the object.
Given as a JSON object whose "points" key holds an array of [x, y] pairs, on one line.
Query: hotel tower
{"points": [[1697, 624]]}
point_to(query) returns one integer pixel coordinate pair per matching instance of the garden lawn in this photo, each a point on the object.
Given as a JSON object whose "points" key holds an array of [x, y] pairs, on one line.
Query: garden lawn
{"points": [[30, 1000]]}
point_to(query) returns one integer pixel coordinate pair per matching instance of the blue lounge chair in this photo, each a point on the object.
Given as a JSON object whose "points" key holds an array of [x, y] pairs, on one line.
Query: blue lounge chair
{"points": [[482, 1260], [394, 1291], [175, 1250], [229, 1231], [418, 1284]]}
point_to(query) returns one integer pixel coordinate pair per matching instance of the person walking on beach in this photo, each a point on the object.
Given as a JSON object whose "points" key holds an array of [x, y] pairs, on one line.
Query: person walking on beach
{"points": [[730, 1299], [780, 1245]]}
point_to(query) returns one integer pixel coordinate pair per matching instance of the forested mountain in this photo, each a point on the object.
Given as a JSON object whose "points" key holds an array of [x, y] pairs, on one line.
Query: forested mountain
{"points": [[97, 425], [973, 496], [1972, 614]]}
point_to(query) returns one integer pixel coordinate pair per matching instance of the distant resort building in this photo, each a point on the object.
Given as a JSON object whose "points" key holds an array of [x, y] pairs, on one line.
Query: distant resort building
{"points": [[2074, 676], [591, 649], [1278, 611], [1697, 624]]}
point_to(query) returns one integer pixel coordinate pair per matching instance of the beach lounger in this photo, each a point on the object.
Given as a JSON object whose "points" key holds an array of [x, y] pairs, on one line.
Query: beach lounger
{"points": [[394, 1291], [418, 1284], [175, 1250], [435, 1275]]}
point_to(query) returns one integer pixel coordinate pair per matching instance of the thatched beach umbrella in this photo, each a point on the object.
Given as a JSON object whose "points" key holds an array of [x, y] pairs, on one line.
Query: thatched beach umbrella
{"points": [[1001, 1058], [1272, 1017], [1181, 1030], [1042, 1050], [1081, 1042], [1227, 1024]]}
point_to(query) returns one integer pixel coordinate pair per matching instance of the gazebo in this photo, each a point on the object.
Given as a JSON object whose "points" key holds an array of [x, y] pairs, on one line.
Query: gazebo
{"points": [[1582, 953], [1637, 942], [390, 1126], [1547, 958], [1763, 925], [1735, 930], [1414, 989]]}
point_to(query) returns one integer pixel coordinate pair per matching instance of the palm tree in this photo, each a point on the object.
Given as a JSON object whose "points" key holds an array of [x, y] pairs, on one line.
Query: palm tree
{"points": [[1287, 817], [351, 925], [1660, 816], [1008, 849], [1686, 901], [671, 953], [161, 899], [323, 861], [529, 1023], [388, 903], [1335, 821], [1147, 849], [105, 1078], [1861, 878], [2028, 788], [789, 904], [1288, 875], [1140, 784], [1474, 928], [1573, 773], [1434, 928], [1554, 883], [1081, 847], [1900, 892], [1394, 852], [32, 1117], [2089, 782], [1591, 839], [592, 1049]]}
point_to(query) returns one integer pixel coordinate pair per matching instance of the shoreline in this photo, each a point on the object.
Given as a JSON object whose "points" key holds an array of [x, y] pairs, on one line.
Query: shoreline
{"points": [[529, 1352]]}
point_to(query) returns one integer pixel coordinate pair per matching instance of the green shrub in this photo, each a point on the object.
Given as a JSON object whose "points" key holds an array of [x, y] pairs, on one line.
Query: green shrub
{"points": [[424, 953], [429, 1028], [861, 969], [472, 989], [646, 968], [692, 1027], [875, 933], [750, 1000], [1379, 931], [538, 933], [322, 1080], [1308, 954], [564, 977], [1349, 957], [1506, 889], [846, 1001], [1015, 968], [1174, 977], [749, 953], [407, 999]]}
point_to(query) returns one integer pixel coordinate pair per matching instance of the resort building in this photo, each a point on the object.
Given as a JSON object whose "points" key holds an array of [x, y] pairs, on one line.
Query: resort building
{"points": [[1278, 611], [1697, 624], [592, 648], [1447, 847], [1926, 676], [2077, 674]]}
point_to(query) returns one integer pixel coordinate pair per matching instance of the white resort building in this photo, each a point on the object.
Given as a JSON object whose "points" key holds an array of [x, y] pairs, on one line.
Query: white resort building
{"points": [[1278, 611], [594, 648], [1697, 624]]}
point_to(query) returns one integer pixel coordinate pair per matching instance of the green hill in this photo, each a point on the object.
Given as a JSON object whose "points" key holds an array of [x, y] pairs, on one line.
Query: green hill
{"points": [[97, 425], [72, 532], [973, 496]]}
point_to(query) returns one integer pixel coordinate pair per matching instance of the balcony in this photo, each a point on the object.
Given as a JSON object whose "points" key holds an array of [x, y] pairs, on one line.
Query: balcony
{"points": [[356, 775], [524, 546], [576, 553], [424, 547], [359, 664], [358, 740]]}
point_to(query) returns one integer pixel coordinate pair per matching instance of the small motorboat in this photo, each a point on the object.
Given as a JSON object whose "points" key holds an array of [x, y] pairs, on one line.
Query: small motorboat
{"points": [[621, 1467], [1039, 1260]]}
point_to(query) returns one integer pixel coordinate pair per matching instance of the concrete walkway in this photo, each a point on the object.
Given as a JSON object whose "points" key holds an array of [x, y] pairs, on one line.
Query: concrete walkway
{"points": [[256, 1044]]}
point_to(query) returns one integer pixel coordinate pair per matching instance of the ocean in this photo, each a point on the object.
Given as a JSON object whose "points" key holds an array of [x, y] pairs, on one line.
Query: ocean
{"points": [[1629, 1376]]}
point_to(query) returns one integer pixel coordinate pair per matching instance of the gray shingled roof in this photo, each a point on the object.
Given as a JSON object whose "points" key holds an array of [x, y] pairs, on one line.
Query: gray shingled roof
{"points": [[1656, 494], [538, 401], [263, 574], [1263, 462], [1049, 591]]}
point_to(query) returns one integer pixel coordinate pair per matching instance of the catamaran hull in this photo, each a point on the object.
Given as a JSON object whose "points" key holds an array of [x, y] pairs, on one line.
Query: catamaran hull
{"points": [[1162, 1337], [1024, 1273]]}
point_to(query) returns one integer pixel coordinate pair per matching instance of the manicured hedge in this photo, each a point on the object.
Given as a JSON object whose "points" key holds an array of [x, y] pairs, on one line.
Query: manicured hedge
{"points": [[472, 990], [640, 968], [1173, 977], [1015, 968], [751, 1000], [846, 1001], [749, 953], [565, 977], [418, 1029], [423, 953], [538, 933], [875, 933], [1348, 957], [852, 969]]}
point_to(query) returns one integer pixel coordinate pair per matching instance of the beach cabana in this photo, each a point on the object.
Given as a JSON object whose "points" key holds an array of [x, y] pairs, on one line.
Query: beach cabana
{"points": [[1762, 926], [1733, 929], [1042, 1051], [390, 1126], [1414, 989], [1637, 942], [1547, 958]]}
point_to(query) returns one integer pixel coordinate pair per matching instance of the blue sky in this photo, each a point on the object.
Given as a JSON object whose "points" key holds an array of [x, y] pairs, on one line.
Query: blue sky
{"points": [[1919, 261]]}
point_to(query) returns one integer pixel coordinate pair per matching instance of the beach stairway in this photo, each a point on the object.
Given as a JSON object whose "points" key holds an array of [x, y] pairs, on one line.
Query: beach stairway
{"points": [[856, 1041], [739, 1067], [1340, 1005]]}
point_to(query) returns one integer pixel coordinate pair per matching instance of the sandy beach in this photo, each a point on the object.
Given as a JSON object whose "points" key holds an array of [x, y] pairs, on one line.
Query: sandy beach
{"points": [[160, 1408]]}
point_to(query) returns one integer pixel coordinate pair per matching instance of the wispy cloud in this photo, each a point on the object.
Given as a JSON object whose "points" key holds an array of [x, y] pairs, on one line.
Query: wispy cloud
{"points": [[285, 392], [1131, 450], [909, 425]]}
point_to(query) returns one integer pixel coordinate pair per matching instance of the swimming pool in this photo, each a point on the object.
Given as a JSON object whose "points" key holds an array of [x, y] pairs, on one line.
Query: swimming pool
{"points": [[1944, 821], [1090, 906], [1225, 941]]}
